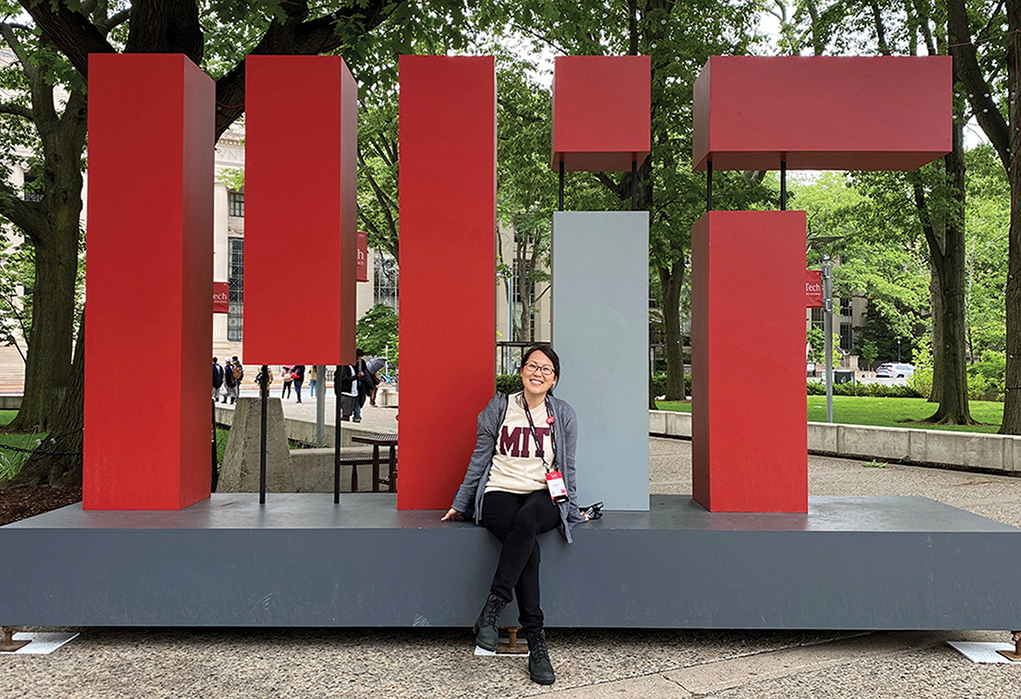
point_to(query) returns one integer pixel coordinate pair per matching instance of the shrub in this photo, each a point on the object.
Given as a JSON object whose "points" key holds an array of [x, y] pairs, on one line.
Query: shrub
{"points": [[987, 377], [657, 384], [509, 383]]}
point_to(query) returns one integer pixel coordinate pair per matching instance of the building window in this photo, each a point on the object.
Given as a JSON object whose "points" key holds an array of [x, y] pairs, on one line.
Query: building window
{"points": [[817, 318], [386, 277], [236, 278], [236, 204], [33, 187], [846, 337], [845, 308]]}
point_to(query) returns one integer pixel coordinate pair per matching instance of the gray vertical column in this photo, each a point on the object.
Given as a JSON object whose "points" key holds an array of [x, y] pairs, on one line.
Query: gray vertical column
{"points": [[601, 332]]}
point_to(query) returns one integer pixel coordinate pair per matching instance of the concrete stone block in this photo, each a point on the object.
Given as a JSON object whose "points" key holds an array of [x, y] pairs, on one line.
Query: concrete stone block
{"points": [[965, 449], [1012, 453], [10, 402], [678, 424], [873, 442], [386, 398], [918, 445], [822, 437], [657, 422], [239, 472], [313, 470]]}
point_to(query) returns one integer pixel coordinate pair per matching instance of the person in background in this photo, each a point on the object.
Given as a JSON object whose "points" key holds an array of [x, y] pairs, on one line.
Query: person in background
{"points": [[285, 373], [298, 372], [217, 379], [230, 392], [239, 376], [312, 381], [361, 382], [345, 386]]}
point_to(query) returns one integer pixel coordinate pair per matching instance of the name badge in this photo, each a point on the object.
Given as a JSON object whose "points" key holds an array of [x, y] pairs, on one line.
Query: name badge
{"points": [[555, 483]]}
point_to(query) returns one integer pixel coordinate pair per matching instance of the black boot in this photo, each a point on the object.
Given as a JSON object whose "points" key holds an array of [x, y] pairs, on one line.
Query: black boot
{"points": [[486, 635], [539, 666]]}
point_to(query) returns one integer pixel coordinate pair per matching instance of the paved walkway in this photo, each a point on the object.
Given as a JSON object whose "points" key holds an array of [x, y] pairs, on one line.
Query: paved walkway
{"points": [[591, 664]]}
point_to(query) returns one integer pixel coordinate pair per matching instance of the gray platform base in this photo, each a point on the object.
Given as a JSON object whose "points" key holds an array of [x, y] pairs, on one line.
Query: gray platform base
{"points": [[850, 563]]}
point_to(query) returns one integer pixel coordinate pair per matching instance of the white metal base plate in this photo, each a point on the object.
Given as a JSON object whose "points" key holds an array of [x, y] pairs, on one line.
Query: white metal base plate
{"points": [[42, 643], [983, 652]]}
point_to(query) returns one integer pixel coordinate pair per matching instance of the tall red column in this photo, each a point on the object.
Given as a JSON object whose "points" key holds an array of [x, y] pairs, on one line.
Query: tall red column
{"points": [[749, 445], [448, 268], [150, 283], [301, 136]]}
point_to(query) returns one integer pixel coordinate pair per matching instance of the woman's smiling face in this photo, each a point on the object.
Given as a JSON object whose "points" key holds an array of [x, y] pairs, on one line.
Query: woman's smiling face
{"points": [[536, 381]]}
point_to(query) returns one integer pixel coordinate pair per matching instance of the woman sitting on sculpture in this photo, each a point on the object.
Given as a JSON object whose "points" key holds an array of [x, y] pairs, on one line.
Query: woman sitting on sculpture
{"points": [[520, 483]]}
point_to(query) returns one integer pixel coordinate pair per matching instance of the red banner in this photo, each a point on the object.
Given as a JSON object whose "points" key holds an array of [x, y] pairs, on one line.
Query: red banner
{"points": [[363, 257], [221, 297], [813, 288]]}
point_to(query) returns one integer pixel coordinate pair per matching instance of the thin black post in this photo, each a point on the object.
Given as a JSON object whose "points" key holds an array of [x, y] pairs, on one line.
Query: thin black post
{"points": [[264, 395], [634, 185], [215, 474], [783, 185], [709, 186], [336, 437], [561, 185]]}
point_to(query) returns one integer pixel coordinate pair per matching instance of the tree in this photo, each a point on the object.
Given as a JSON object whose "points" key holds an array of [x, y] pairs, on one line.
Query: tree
{"points": [[679, 39], [984, 43], [55, 51], [937, 192]]}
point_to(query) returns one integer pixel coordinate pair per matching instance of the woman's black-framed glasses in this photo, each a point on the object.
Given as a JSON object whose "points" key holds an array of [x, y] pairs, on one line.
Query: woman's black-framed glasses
{"points": [[544, 370]]}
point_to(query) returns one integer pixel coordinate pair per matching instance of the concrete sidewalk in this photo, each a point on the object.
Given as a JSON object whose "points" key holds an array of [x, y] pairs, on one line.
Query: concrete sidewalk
{"points": [[591, 664]]}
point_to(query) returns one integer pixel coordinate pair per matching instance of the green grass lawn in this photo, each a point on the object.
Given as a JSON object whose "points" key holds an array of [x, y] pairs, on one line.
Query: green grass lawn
{"points": [[12, 461], [884, 412]]}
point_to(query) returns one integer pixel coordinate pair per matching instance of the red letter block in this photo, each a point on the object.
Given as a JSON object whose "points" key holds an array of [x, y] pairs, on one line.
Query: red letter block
{"points": [[300, 250], [822, 112], [600, 112], [749, 443], [448, 269], [150, 281]]}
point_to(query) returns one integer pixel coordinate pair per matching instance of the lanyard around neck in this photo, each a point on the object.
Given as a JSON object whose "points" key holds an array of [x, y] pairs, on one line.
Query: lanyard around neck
{"points": [[551, 421]]}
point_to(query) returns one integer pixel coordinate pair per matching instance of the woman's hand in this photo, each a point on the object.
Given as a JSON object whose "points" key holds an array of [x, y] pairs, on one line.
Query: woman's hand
{"points": [[452, 516]]}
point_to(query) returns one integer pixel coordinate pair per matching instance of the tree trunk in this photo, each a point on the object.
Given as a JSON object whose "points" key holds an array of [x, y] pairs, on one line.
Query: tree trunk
{"points": [[58, 460], [671, 281], [936, 301], [48, 364], [949, 355], [1012, 401]]}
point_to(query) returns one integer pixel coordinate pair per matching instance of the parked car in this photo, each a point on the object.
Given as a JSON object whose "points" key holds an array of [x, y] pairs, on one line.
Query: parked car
{"points": [[892, 370]]}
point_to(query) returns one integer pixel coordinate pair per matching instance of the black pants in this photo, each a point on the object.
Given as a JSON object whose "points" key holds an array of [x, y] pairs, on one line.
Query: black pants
{"points": [[517, 520]]}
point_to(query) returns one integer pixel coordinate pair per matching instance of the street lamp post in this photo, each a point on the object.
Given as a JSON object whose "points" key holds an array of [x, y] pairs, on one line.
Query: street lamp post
{"points": [[827, 326]]}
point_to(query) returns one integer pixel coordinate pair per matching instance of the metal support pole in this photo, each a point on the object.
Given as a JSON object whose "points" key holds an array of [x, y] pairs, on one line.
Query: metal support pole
{"points": [[561, 206], [783, 185], [634, 185], [709, 186], [320, 406], [264, 400], [827, 326], [215, 475], [336, 438]]}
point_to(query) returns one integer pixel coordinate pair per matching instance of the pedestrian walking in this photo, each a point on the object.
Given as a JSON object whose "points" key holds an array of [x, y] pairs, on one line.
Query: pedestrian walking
{"points": [[285, 372], [298, 374], [217, 379]]}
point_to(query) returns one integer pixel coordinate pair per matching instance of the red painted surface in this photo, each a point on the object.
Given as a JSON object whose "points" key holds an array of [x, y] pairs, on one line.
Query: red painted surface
{"points": [[822, 112], [149, 276], [300, 247], [221, 297], [363, 256], [448, 267], [813, 288], [749, 444], [600, 112]]}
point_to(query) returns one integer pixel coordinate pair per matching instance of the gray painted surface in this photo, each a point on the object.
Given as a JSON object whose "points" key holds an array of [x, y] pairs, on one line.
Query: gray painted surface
{"points": [[601, 332], [850, 563]]}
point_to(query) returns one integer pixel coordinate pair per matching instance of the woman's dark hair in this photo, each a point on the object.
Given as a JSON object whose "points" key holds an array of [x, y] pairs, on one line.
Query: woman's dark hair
{"points": [[545, 349]]}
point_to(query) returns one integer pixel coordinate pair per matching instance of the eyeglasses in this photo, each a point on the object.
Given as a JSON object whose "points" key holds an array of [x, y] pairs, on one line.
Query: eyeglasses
{"points": [[544, 370]]}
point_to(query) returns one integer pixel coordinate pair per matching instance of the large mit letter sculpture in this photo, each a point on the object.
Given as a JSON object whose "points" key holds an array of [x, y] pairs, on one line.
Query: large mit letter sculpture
{"points": [[751, 549]]}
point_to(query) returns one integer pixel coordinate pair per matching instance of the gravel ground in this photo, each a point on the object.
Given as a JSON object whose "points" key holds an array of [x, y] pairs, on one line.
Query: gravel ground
{"points": [[156, 663]]}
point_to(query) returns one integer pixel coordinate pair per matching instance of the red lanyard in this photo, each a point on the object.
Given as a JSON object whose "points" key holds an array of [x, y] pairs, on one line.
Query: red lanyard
{"points": [[551, 421]]}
